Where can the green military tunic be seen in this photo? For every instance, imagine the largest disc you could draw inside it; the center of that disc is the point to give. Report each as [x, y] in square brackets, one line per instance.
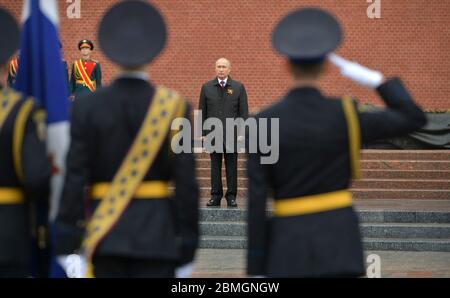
[86, 80]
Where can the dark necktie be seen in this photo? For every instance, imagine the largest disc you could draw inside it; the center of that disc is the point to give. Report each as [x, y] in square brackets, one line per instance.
[222, 84]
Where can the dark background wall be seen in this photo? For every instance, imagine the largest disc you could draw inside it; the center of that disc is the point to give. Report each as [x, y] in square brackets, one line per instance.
[411, 39]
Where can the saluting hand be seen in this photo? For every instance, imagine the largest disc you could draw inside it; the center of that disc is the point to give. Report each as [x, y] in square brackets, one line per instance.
[74, 265]
[356, 72]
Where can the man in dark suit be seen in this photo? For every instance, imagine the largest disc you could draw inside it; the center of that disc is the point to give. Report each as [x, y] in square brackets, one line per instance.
[24, 165]
[314, 230]
[120, 149]
[223, 98]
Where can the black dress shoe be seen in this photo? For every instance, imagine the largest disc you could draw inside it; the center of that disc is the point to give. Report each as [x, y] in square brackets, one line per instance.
[214, 202]
[231, 203]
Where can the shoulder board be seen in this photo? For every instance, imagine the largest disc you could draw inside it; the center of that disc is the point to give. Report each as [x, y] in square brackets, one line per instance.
[14, 93]
[39, 118]
[93, 60]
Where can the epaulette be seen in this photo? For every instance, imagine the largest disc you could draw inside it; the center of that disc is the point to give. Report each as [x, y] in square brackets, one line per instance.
[39, 118]
[93, 60]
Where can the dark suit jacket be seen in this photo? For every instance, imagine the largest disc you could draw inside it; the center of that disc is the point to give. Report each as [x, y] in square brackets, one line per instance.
[229, 102]
[104, 125]
[313, 159]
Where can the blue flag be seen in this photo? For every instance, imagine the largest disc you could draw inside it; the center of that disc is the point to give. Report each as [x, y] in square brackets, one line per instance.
[41, 75]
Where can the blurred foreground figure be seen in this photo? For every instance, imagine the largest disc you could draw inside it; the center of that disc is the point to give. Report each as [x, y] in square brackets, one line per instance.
[24, 165]
[120, 152]
[314, 230]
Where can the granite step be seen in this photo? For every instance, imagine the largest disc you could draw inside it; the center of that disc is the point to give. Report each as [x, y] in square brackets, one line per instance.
[419, 244]
[393, 244]
[405, 230]
[440, 165]
[369, 164]
[206, 181]
[405, 154]
[205, 172]
[368, 230]
[365, 216]
[220, 242]
[405, 174]
[366, 174]
[411, 194]
[401, 184]
[206, 163]
[205, 192]
[371, 154]
[368, 193]
[363, 183]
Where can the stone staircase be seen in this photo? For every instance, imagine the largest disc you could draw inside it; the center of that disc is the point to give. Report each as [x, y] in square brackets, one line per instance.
[381, 230]
[403, 201]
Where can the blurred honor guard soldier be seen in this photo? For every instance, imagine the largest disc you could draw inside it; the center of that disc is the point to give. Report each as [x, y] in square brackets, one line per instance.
[314, 230]
[66, 68]
[13, 68]
[86, 73]
[223, 98]
[120, 147]
[24, 165]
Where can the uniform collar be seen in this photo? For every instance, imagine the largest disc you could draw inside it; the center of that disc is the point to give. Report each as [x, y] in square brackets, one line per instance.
[305, 91]
[141, 75]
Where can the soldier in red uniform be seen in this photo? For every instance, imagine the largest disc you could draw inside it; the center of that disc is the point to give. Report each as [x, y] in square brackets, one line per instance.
[86, 74]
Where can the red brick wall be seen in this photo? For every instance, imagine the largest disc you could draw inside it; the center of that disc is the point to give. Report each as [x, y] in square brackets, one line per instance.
[412, 39]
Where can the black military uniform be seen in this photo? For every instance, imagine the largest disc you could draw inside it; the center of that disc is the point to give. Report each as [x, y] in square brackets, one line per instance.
[314, 230]
[225, 102]
[25, 168]
[86, 75]
[156, 232]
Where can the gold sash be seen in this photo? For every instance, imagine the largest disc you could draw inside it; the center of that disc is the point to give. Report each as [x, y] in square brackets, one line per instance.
[86, 79]
[139, 159]
[19, 132]
[11, 195]
[8, 98]
[147, 190]
[354, 136]
[313, 203]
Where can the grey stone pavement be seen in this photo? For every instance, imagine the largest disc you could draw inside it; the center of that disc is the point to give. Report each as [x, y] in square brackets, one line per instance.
[230, 263]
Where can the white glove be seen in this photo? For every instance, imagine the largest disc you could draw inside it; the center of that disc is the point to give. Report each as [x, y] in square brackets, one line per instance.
[184, 271]
[74, 265]
[356, 72]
